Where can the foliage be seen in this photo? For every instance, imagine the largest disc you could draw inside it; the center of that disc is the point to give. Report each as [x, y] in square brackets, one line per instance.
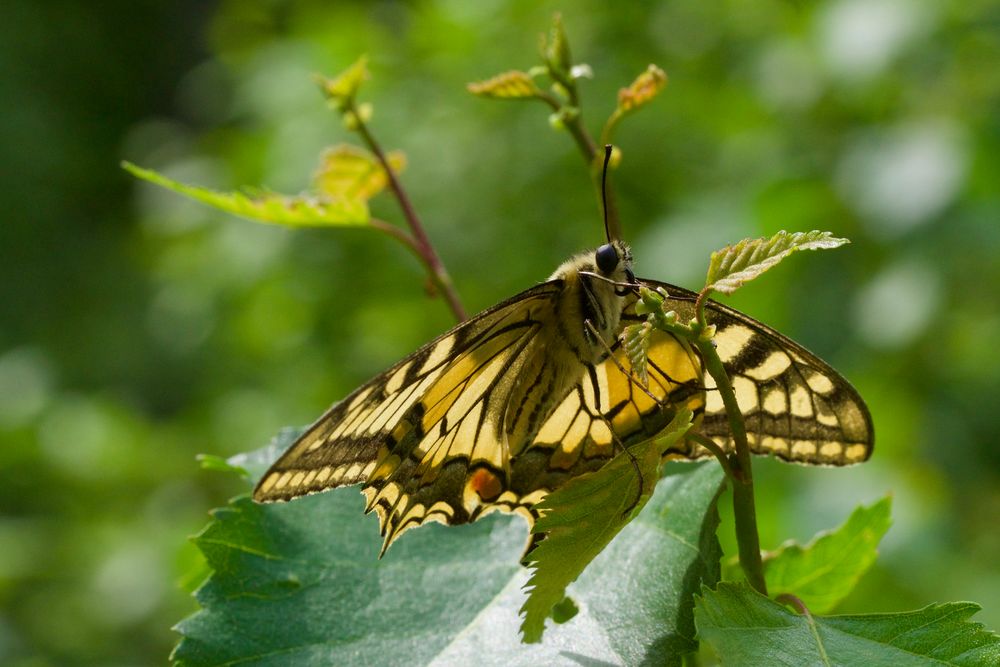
[745, 627]
[268, 206]
[579, 519]
[440, 588]
[734, 265]
[824, 571]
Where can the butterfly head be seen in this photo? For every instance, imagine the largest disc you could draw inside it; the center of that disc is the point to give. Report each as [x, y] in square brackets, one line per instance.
[613, 261]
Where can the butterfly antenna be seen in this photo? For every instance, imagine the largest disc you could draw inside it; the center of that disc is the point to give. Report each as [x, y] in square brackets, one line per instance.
[608, 148]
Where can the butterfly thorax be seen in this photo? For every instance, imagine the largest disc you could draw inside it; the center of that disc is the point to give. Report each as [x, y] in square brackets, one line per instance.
[588, 310]
[577, 333]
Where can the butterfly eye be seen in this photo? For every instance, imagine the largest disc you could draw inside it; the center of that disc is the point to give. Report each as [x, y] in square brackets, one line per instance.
[606, 258]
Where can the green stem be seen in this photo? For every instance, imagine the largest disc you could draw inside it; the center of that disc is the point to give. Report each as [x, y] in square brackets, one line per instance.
[716, 451]
[419, 241]
[575, 127]
[395, 232]
[744, 510]
[589, 150]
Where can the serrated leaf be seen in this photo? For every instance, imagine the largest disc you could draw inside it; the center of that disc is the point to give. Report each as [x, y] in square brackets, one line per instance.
[747, 628]
[301, 583]
[824, 571]
[641, 91]
[269, 207]
[507, 85]
[298, 583]
[734, 265]
[350, 172]
[581, 517]
[343, 88]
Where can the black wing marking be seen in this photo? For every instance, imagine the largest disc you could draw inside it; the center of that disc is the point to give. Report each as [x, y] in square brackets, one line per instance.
[796, 406]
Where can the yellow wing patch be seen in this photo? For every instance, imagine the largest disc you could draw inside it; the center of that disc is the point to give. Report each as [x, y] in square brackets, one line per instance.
[795, 406]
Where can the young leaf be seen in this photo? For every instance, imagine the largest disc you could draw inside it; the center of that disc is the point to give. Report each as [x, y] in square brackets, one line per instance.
[734, 265]
[343, 88]
[350, 172]
[508, 85]
[581, 517]
[823, 572]
[641, 91]
[635, 340]
[297, 211]
[556, 51]
[747, 628]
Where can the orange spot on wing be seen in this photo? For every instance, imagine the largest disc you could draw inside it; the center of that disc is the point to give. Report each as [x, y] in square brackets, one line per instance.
[485, 483]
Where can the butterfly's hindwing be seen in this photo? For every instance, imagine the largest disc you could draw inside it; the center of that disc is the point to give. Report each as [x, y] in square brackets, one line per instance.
[795, 406]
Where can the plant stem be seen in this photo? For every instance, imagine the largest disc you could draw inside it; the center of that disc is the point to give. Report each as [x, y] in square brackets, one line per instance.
[573, 123]
[716, 451]
[398, 234]
[419, 241]
[744, 510]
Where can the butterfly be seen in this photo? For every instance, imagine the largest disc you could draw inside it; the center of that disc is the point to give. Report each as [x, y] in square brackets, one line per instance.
[510, 404]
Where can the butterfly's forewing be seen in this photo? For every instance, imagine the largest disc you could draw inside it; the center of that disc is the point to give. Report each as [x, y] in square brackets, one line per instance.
[795, 406]
[425, 435]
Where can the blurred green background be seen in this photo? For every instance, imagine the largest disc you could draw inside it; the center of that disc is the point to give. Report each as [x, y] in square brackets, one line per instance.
[138, 329]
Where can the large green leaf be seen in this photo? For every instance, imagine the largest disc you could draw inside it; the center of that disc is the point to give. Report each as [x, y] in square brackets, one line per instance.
[300, 583]
[635, 598]
[823, 572]
[745, 628]
[580, 518]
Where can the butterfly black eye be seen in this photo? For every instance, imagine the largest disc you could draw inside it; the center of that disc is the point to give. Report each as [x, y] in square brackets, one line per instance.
[606, 258]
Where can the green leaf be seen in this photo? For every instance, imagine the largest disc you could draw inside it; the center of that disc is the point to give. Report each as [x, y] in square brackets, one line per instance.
[580, 518]
[734, 265]
[343, 88]
[290, 211]
[510, 85]
[350, 172]
[219, 464]
[747, 628]
[556, 53]
[635, 599]
[823, 572]
[299, 583]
